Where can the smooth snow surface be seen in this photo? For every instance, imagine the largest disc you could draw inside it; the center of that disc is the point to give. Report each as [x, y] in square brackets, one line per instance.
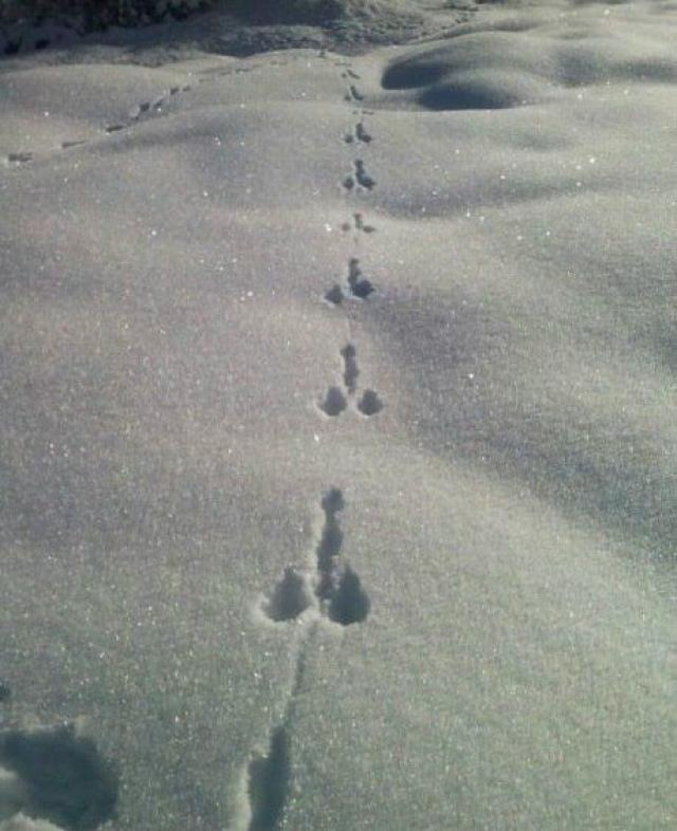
[338, 434]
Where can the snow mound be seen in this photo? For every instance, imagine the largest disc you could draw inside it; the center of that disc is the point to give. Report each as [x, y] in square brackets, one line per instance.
[496, 69]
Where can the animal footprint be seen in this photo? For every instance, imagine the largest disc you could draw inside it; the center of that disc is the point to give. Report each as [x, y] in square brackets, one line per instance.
[370, 404]
[335, 589]
[360, 133]
[19, 158]
[360, 178]
[358, 225]
[349, 603]
[338, 588]
[58, 776]
[350, 372]
[339, 597]
[335, 400]
[269, 780]
[157, 104]
[354, 94]
[290, 599]
[357, 286]
[138, 111]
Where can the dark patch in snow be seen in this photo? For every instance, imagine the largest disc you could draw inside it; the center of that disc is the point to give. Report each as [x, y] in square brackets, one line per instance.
[360, 226]
[355, 94]
[350, 372]
[19, 158]
[62, 777]
[362, 134]
[370, 404]
[334, 402]
[336, 399]
[334, 295]
[349, 603]
[269, 782]
[338, 587]
[359, 286]
[330, 544]
[289, 599]
[359, 177]
[362, 177]
[356, 287]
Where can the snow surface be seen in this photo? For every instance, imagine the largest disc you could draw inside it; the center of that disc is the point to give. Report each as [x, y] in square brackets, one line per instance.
[279, 552]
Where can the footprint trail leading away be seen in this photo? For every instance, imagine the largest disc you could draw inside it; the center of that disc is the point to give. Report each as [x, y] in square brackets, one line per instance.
[336, 594]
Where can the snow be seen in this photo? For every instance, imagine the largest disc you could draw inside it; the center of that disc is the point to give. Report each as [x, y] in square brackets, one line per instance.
[453, 610]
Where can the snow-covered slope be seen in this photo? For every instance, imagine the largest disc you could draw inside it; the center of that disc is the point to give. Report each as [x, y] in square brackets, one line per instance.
[338, 436]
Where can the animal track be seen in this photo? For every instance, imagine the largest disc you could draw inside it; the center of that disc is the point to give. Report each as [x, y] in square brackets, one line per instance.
[338, 587]
[370, 404]
[350, 373]
[358, 225]
[139, 110]
[357, 286]
[336, 400]
[334, 589]
[360, 178]
[360, 133]
[354, 94]
[57, 776]
[269, 780]
[19, 158]
[331, 542]
[290, 598]
[339, 597]
[115, 127]
[335, 295]
[349, 603]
